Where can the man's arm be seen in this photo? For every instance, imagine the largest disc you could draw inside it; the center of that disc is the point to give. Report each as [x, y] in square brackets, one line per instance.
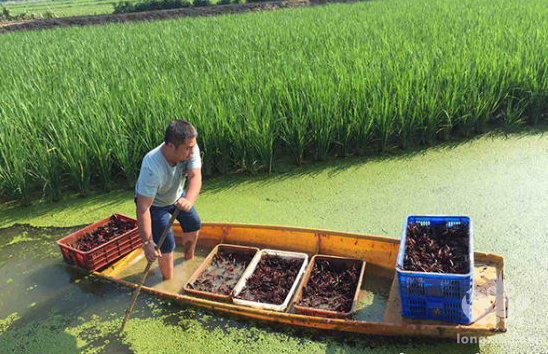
[194, 184]
[194, 187]
[144, 224]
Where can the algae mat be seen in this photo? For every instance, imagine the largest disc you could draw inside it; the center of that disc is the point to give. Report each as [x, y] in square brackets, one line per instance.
[47, 307]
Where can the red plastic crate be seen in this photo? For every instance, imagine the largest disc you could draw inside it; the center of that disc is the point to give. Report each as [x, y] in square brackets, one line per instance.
[103, 254]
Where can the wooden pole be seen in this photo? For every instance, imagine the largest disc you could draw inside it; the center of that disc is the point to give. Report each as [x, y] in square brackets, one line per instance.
[147, 269]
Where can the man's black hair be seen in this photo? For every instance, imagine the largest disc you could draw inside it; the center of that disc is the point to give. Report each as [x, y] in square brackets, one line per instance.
[178, 131]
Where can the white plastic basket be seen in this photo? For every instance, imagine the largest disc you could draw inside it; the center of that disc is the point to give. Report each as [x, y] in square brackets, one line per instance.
[251, 269]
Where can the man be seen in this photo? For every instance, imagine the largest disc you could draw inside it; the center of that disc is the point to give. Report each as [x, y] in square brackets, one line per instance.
[159, 190]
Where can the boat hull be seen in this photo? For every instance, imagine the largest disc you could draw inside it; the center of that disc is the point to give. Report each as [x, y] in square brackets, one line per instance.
[380, 254]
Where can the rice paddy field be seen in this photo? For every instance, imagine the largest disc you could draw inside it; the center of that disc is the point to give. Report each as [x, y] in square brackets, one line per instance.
[61, 8]
[79, 107]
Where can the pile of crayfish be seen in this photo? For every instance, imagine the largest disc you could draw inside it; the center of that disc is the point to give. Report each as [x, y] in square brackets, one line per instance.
[330, 287]
[272, 279]
[437, 248]
[102, 234]
[223, 273]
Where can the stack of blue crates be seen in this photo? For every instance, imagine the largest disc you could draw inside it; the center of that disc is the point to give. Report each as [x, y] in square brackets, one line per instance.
[436, 296]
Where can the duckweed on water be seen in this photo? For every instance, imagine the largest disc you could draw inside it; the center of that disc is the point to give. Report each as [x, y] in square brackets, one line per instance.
[174, 331]
[55, 335]
[146, 336]
[34, 242]
[46, 336]
[19, 238]
[94, 332]
[7, 322]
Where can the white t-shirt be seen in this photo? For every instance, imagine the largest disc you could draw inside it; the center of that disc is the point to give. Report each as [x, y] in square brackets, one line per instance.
[160, 180]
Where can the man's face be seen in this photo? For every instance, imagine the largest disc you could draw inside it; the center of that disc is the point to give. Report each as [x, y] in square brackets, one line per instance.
[185, 150]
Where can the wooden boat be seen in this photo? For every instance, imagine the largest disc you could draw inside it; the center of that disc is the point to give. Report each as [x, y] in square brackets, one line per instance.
[379, 309]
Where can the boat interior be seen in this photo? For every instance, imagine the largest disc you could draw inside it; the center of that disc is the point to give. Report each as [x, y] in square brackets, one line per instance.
[378, 309]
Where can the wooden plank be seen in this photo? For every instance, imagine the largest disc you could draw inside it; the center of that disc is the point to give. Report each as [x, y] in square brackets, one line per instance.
[117, 266]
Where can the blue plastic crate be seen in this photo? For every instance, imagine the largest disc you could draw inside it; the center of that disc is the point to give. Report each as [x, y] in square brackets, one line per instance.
[436, 295]
[436, 308]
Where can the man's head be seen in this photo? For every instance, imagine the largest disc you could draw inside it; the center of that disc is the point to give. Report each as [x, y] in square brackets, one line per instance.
[180, 140]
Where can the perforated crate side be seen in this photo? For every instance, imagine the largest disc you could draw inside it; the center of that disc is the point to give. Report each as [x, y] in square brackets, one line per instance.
[437, 308]
[442, 286]
[103, 254]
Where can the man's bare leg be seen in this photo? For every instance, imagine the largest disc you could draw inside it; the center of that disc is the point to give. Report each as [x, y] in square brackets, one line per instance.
[166, 265]
[189, 241]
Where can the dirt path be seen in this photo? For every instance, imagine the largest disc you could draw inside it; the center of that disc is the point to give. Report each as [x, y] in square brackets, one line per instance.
[213, 10]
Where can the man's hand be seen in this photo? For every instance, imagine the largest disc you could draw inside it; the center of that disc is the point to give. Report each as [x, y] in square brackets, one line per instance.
[151, 253]
[183, 204]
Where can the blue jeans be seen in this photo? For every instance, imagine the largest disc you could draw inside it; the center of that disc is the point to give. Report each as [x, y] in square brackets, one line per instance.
[189, 220]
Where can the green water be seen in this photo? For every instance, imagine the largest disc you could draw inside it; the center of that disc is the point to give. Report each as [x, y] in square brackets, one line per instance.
[501, 182]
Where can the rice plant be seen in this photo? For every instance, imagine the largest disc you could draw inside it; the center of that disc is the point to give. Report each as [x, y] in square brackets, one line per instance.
[79, 107]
